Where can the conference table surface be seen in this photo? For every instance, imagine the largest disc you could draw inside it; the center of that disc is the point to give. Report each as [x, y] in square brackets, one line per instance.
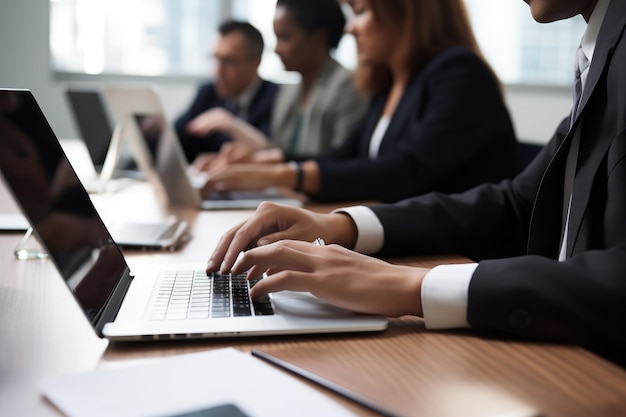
[406, 368]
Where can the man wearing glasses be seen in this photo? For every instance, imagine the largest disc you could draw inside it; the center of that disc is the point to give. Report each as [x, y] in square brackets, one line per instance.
[235, 93]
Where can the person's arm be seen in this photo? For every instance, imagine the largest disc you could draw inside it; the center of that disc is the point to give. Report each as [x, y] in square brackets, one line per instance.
[302, 177]
[255, 172]
[444, 288]
[491, 220]
[221, 120]
[439, 295]
[338, 275]
[241, 131]
[204, 99]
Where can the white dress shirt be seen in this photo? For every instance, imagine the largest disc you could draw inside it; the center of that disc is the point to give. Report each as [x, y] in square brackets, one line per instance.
[445, 288]
[378, 135]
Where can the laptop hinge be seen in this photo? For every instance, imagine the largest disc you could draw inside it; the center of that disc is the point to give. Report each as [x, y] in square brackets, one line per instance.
[112, 306]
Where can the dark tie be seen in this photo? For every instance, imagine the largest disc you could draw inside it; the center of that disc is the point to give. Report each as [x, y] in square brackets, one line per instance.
[580, 72]
[233, 106]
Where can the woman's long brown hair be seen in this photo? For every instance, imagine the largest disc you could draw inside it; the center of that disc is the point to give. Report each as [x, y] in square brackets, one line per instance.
[427, 27]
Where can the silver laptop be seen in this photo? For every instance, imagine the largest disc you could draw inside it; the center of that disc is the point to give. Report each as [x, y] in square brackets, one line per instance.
[181, 301]
[159, 154]
[111, 166]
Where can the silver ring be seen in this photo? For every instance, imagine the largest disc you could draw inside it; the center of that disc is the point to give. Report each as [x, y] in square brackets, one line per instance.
[319, 242]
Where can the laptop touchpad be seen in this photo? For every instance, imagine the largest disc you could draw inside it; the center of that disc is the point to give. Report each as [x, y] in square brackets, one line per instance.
[305, 304]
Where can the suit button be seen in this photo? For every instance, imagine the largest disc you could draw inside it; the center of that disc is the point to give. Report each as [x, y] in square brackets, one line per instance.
[519, 319]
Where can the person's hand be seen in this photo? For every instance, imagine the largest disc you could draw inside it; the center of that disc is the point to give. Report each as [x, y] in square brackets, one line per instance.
[203, 162]
[233, 153]
[273, 222]
[268, 156]
[244, 177]
[338, 275]
[230, 153]
[152, 125]
[215, 119]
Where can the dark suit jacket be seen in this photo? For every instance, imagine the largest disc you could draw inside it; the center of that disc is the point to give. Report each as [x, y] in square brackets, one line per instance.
[450, 131]
[259, 116]
[527, 292]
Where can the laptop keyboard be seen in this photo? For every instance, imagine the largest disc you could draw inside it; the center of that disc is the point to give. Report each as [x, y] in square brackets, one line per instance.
[198, 295]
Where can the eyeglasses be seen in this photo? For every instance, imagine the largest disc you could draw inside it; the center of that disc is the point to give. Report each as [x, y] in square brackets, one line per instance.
[231, 61]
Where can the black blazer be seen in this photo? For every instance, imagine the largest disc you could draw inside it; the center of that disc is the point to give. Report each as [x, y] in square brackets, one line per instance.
[527, 292]
[450, 131]
[259, 116]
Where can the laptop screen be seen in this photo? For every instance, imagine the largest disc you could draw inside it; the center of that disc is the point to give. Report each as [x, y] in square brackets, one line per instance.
[43, 183]
[92, 121]
[151, 128]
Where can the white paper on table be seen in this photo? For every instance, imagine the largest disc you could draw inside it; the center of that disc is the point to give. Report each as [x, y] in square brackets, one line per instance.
[13, 222]
[185, 383]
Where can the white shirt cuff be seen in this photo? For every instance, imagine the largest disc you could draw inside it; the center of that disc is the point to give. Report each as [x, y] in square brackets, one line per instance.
[444, 296]
[371, 235]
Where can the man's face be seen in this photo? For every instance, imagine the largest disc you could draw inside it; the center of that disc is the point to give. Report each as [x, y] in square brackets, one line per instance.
[551, 10]
[235, 68]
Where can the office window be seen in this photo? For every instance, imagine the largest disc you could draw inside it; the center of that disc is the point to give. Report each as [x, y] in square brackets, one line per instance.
[174, 38]
[133, 37]
[521, 50]
[157, 37]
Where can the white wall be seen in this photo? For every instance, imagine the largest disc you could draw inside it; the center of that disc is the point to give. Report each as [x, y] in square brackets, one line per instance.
[536, 111]
[24, 64]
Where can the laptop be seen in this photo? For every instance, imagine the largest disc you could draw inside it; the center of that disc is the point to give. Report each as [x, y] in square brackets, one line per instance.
[176, 302]
[159, 154]
[98, 134]
[44, 167]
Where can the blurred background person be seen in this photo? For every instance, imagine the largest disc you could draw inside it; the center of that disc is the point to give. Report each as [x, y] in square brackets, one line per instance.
[315, 115]
[235, 92]
[318, 113]
[437, 120]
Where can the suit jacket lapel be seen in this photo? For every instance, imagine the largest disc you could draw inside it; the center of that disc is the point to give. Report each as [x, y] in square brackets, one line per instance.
[401, 120]
[400, 123]
[370, 125]
[596, 148]
[607, 38]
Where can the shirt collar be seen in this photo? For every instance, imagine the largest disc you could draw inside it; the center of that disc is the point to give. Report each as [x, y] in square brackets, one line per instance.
[588, 43]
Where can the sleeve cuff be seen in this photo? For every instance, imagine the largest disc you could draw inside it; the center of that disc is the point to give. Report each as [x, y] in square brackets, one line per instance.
[444, 296]
[371, 235]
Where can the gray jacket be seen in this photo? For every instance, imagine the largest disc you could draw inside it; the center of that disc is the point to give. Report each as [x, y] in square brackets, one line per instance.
[333, 110]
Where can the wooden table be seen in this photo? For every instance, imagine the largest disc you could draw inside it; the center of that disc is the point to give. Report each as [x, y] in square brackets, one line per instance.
[43, 332]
